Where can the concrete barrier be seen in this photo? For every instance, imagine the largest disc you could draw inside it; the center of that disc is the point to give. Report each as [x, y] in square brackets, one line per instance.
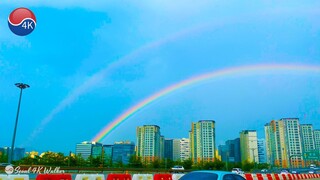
[162, 177]
[119, 177]
[258, 176]
[142, 177]
[90, 177]
[4, 177]
[18, 177]
[176, 176]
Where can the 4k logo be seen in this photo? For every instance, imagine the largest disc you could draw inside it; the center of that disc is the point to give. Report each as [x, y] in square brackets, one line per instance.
[22, 21]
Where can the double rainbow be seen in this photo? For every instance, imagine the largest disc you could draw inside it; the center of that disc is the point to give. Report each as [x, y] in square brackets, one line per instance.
[202, 78]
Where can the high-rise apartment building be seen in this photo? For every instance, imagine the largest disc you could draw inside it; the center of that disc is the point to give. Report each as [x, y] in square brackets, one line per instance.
[168, 149]
[272, 136]
[310, 153]
[317, 139]
[249, 146]
[316, 153]
[283, 141]
[148, 142]
[122, 151]
[184, 149]
[262, 151]
[293, 141]
[223, 153]
[307, 137]
[176, 149]
[87, 149]
[202, 141]
[161, 147]
[234, 153]
[230, 152]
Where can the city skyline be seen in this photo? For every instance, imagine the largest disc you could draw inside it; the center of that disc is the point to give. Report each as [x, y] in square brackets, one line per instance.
[258, 136]
[290, 143]
[285, 139]
[286, 134]
[133, 139]
[89, 64]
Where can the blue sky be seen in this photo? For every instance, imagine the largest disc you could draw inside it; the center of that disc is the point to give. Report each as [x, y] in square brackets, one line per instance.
[87, 62]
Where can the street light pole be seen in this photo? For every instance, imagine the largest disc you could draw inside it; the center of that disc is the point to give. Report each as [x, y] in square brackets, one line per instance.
[21, 86]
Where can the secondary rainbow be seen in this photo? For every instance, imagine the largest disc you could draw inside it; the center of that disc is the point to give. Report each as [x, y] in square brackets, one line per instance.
[201, 78]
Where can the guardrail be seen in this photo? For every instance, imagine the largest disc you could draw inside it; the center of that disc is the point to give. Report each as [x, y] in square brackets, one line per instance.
[280, 176]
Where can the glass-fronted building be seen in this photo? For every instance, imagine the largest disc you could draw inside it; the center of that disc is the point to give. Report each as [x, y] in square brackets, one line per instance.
[122, 151]
[87, 149]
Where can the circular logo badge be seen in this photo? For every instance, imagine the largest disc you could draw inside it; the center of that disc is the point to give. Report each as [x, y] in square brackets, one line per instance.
[22, 21]
[9, 169]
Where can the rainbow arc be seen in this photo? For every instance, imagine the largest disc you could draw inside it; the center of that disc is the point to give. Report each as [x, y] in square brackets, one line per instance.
[249, 69]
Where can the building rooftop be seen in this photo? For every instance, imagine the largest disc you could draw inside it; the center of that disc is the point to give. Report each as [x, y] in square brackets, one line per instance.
[151, 125]
[246, 131]
[206, 121]
[124, 142]
[289, 119]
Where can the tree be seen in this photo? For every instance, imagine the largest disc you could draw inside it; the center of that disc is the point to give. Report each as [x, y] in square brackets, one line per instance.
[232, 165]
[93, 161]
[170, 163]
[209, 165]
[200, 164]
[215, 165]
[118, 163]
[52, 159]
[156, 163]
[247, 166]
[96, 161]
[167, 163]
[71, 160]
[79, 160]
[108, 161]
[3, 157]
[135, 162]
[60, 159]
[30, 159]
[218, 165]
[187, 164]
[263, 166]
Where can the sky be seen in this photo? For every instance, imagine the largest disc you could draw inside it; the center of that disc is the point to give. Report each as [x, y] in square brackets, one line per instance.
[88, 62]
